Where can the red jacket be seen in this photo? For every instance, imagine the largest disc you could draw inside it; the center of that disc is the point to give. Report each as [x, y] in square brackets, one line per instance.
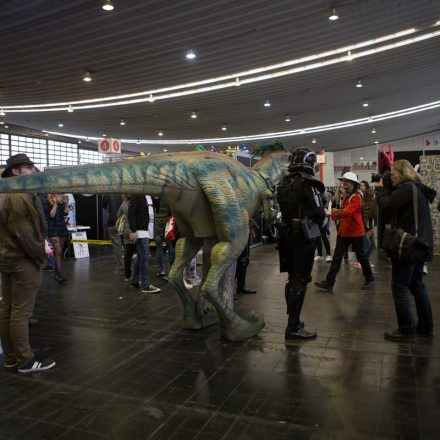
[351, 224]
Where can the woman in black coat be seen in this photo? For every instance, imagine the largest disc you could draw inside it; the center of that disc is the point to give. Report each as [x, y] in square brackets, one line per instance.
[407, 278]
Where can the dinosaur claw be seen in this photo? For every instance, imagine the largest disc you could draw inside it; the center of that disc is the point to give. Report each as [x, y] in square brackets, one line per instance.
[244, 328]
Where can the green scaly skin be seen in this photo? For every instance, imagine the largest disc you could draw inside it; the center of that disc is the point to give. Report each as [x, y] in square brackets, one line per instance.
[210, 194]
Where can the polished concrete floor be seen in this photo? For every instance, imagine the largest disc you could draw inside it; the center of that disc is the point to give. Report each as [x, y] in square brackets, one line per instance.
[126, 370]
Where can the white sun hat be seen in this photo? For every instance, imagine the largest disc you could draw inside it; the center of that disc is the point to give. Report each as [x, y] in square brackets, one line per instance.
[349, 176]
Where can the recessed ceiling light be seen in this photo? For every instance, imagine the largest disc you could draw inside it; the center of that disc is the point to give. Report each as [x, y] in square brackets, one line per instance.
[70, 109]
[376, 142]
[160, 133]
[46, 134]
[193, 115]
[79, 141]
[2, 122]
[60, 124]
[122, 121]
[237, 81]
[151, 98]
[149, 153]
[224, 128]
[287, 118]
[2, 113]
[313, 141]
[333, 16]
[165, 150]
[373, 130]
[359, 84]
[190, 55]
[104, 135]
[267, 103]
[349, 55]
[87, 77]
[107, 5]
[362, 158]
[365, 103]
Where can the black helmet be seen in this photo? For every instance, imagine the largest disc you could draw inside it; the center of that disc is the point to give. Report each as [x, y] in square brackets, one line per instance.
[302, 159]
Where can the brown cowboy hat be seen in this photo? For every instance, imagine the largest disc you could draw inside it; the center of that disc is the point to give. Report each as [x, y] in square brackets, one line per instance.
[15, 160]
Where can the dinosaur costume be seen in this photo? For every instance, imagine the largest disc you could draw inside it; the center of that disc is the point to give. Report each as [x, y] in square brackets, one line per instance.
[210, 194]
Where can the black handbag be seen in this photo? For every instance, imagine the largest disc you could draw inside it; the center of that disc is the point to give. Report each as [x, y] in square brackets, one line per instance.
[404, 246]
[310, 229]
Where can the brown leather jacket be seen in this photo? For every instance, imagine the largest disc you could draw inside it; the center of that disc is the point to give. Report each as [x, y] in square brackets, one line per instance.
[21, 229]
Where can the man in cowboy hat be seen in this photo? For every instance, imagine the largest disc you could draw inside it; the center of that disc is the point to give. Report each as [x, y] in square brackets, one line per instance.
[350, 232]
[22, 257]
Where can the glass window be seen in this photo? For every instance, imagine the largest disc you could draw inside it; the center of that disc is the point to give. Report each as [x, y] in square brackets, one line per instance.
[4, 148]
[62, 153]
[89, 156]
[32, 148]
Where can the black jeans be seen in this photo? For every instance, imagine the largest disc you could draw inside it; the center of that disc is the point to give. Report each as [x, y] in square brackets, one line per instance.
[342, 245]
[408, 279]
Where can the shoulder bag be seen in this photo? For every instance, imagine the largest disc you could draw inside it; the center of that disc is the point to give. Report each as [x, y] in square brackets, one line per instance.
[404, 246]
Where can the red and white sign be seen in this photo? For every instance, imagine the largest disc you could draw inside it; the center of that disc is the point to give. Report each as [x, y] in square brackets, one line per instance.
[109, 146]
[320, 158]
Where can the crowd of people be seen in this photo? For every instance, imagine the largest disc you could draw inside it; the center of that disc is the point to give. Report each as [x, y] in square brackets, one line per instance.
[28, 222]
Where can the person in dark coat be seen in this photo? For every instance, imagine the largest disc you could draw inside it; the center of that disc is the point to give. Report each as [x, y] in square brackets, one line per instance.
[298, 197]
[407, 278]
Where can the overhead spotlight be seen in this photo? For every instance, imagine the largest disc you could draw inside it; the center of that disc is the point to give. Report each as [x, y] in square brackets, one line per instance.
[2, 112]
[149, 153]
[46, 134]
[104, 135]
[373, 130]
[313, 141]
[107, 5]
[151, 98]
[2, 122]
[60, 124]
[165, 150]
[376, 142]
[193, 115]
[79, 141]
[359, 84]
[364, 103]
[87, 77]
[70, 109]
[6, 126]
[122, 121]
[190, 55]
[237, 81]
[349, 55]
[224, 128]
[362, 158]
[333, 16]
[287, 118]
[267, 103]
[160, 133]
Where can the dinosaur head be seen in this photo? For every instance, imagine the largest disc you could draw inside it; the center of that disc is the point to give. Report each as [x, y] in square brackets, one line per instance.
[274, 165]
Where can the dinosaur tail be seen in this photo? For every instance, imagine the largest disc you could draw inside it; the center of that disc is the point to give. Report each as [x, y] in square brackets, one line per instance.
[117, 177]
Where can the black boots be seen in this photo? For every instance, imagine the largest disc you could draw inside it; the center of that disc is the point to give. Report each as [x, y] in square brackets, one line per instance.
[295, 328]
[242, 265]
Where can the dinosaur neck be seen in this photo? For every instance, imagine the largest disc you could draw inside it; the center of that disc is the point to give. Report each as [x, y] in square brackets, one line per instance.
[273, 165]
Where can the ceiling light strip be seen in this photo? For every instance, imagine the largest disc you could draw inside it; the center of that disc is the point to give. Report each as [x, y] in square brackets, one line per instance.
[228, 77]
[243, 81]
[279, 134]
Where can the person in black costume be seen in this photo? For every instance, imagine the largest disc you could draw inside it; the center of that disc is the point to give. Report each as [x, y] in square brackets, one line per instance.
[298, 197]
[240, 273]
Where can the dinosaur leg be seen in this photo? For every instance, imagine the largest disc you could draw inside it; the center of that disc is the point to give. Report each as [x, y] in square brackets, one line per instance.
[233, 326]
[186, 249]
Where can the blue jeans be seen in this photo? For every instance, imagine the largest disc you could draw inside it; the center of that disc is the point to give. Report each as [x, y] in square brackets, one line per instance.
[408, 279]
[139, 271]
[159, 252]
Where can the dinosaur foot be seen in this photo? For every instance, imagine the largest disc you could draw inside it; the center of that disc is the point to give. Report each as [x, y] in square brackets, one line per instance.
[194, 321]
[242, 328]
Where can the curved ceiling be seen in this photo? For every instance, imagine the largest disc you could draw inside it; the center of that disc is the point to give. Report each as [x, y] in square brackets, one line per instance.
[140, 45]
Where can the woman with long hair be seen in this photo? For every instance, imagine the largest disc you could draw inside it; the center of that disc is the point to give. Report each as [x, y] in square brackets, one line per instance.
[407, 278]
[56, 209]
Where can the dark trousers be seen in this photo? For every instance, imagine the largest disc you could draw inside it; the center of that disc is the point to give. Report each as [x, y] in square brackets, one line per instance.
[242, 264]
[320, 241]
[129, 249]
[21, 279]
[342, 245]
[300, 264]
[407, 280]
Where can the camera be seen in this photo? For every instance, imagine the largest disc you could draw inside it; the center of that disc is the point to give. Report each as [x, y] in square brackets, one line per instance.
[386, 179]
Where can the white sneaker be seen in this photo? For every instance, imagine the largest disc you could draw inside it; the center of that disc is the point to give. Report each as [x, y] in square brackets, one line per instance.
[150, 289]
[328, 258]
[318, 258]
